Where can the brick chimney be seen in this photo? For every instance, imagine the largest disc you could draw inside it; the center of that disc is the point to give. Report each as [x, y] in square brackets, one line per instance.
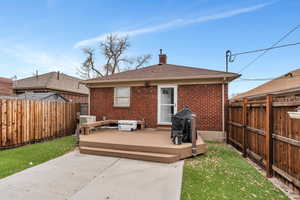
[162, 58]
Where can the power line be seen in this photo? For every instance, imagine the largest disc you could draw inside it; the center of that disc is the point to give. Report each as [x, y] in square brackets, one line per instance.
[267, 49]
[286, 76]
[255, 79]
[258, 50]
[231, 56]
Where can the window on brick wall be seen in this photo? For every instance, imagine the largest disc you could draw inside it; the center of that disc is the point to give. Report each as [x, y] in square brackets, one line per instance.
[122, 97]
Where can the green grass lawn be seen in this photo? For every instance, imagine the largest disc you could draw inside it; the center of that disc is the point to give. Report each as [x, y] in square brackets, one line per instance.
[223, 174]
[20, 158]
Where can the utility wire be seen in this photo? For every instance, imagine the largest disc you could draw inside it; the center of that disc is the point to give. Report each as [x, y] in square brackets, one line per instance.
[286, 76]
[258, 50]
[266, 50]
[255, 79]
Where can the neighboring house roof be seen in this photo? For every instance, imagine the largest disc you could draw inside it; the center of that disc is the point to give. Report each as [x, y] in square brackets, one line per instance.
[50, 96]
[286, 83]
[163, 72]
[52, 80]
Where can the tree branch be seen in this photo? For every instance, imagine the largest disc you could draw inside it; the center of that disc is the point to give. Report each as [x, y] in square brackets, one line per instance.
[89, 62]
[113, 48]
[141, 60]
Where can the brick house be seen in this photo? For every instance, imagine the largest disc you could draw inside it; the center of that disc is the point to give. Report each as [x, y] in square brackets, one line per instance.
[156, 92]
[59, 83]
[6, 87]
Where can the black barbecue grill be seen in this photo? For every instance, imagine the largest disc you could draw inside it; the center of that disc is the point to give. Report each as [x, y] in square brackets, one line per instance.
[182, 127]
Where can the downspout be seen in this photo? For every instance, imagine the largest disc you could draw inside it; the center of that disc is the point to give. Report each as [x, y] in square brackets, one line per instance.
[223, 106]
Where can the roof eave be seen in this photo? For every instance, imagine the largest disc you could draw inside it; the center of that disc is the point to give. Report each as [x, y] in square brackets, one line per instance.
[234, 77]
[230, 76]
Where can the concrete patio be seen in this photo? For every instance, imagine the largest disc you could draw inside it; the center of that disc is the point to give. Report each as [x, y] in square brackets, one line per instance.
[79, 176]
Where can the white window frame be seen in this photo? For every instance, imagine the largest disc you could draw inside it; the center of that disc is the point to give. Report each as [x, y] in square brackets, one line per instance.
[159, 122]
[115, 97]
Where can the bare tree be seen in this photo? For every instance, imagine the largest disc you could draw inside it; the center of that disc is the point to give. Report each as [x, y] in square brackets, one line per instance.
[113, 49]
[86, 70]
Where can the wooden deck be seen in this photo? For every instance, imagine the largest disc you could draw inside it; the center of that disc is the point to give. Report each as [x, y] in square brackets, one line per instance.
[149, 145]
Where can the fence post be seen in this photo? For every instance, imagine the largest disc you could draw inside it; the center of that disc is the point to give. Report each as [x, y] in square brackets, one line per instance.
[245, 101]
[269, 138]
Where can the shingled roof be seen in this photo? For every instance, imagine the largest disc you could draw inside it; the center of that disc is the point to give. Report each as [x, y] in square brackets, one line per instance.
[52, 80]
[49, 96]
[286, 83]
[164, 72]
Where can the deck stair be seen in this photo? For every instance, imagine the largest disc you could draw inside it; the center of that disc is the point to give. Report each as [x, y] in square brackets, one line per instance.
[140, 145]
[138, 155]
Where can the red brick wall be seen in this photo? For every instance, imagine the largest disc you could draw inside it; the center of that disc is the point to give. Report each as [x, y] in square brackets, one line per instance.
[204, 100]
[142, 105]
[6, 87]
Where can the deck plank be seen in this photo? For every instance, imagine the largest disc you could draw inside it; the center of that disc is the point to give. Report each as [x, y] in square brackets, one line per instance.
[138, 142]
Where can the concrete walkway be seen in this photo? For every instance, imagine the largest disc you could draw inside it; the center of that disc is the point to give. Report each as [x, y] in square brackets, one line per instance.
[78, 176]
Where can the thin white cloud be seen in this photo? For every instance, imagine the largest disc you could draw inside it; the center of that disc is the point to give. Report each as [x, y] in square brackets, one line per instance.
[41, 60]
[175, 23]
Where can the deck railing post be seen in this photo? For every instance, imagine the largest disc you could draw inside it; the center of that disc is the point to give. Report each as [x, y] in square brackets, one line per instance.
[269, 138]
[245, 141]
[194, 135]
[77, 131]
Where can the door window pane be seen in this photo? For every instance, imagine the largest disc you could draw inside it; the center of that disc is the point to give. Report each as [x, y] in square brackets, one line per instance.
[167, 96]
[166, 113]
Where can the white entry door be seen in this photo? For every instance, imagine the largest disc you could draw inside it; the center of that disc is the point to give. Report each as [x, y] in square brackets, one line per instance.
[167, 103]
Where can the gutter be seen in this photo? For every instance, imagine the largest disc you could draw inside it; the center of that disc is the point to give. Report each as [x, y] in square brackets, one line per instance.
[159, 79]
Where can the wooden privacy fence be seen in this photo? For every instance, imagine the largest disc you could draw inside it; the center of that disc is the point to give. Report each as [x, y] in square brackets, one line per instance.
[25, 121]
[264, 132]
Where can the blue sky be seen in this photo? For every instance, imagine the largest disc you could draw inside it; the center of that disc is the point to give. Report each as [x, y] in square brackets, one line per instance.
[48, 35]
